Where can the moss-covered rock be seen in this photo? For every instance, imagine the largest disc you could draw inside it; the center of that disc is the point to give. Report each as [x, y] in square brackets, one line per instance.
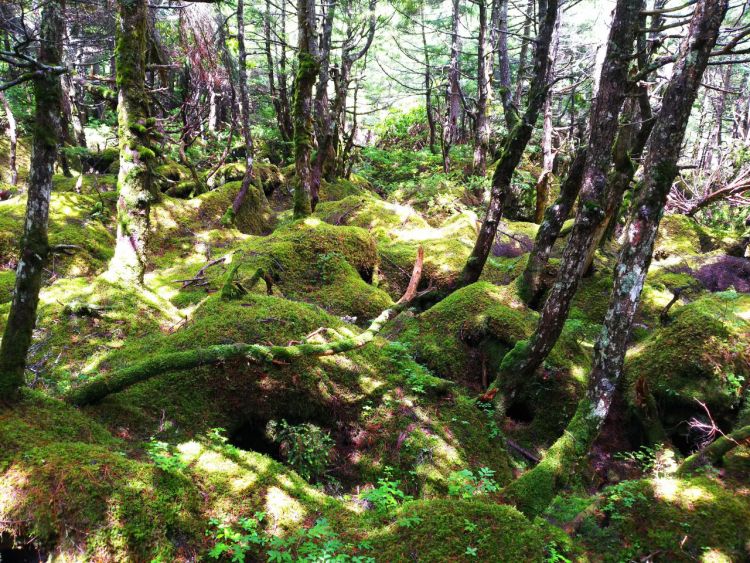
[75, 219]
[460, 530]
[669, 519]
[702, 355]
[678, 236]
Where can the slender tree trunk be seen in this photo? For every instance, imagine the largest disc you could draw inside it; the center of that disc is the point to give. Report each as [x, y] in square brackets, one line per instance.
[503, 68]
[307, 73]
[548, 155]
[484, 88]
[524, 53]
[322, 112]
[429, 110]
[453, 99]
[134, 126]
[275, 98]
[247, 179]
[34, 244]
[535, 489]
[12, 132]
[520, 363]
[531, 284]
[514, 146]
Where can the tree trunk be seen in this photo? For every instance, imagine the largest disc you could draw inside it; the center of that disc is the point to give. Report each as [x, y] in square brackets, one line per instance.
[429, 111]
[525, 41]
[531, 284]
[12, 132]
[34, 244]
[514, 146]
[277, 97]
[307, 73]
[322, 110]
[520, 363]
[134, 127]
[247, 179]
[503, 68]
[536, 488]
[453, 99]
[484, 89]
[548, 156]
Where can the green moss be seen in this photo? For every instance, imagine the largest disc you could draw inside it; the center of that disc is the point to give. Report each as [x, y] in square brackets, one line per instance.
[446, 528]
[680, 519]
[7, 284]
[678, 236]
[86, 184]
[701, 355]
[75, 219]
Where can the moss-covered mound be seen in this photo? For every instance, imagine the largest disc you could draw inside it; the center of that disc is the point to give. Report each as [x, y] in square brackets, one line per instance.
[85, 184]
[70, 485]
[460, 530]
[315, 262]
[702, 355]
[83, 221]
[465, 337]
[669, 519]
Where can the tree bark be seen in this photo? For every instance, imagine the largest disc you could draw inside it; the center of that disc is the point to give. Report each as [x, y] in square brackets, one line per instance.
[453, 98]
[134, 129]
[428, 84]
[34, 243]
[525, 41]
[510, 113]
[531, 284]
[247, 179]
[484, 89]
[520, 363]
[548, 155]
[307, 74]
[513, 148]
[535, 489]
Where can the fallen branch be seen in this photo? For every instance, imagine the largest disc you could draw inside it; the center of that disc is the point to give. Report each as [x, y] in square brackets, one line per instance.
[416, 277]
[97, 389]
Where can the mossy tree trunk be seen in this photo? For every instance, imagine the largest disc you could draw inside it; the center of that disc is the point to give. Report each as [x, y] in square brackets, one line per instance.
[521, 362]
[322, 111]
[532, 282]
[307, 74]
[484, 89]
[34, 244]
[514, 146]
[535, 489]
[135, 192]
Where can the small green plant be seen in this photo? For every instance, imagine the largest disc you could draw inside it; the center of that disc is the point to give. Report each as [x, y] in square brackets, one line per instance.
[218, 437]
[387, 494]
[306, 447]
[489, 410]
[554, 555]
[230, 541]
[306, 545]
[328, 264]
[163, 457]
[622, 495]
[467, 484]
[644, 457]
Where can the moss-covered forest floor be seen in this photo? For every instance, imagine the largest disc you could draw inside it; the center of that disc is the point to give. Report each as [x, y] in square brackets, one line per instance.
[383, 453]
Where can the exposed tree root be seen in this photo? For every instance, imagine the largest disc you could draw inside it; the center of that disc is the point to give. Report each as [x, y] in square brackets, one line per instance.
[715, 450]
